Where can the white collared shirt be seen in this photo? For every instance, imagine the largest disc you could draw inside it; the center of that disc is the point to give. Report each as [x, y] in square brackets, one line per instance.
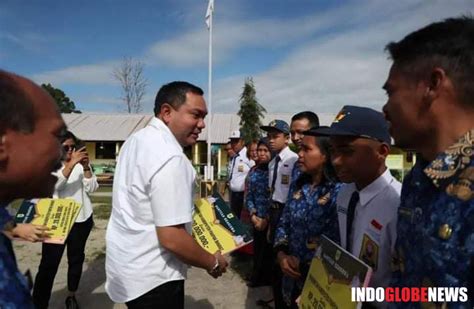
[375, 224]
[283, 180]
[153, 186]
[77, 187]
[239, 168]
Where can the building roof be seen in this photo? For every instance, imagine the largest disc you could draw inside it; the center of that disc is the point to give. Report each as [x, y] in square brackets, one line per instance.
[105, 127]
[118, 127]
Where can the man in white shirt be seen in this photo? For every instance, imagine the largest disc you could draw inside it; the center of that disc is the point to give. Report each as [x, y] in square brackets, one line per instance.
[368, 202]
[149, 242]
[239, 167]
[281, 166]
[279, 180]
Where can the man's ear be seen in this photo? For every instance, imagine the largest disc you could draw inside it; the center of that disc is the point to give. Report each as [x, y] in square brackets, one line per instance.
[434, 83]
[3, 148]
[165, 113]
[384, 150]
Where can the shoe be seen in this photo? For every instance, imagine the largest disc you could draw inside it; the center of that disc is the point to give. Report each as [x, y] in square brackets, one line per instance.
[71, 303]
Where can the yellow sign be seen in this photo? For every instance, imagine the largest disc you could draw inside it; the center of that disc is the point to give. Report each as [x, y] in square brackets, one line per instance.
[216, 228]
[332, 274]
[58, 215]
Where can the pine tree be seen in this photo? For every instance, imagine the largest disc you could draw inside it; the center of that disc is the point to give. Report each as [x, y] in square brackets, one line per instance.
[65, 104]
[251, 112]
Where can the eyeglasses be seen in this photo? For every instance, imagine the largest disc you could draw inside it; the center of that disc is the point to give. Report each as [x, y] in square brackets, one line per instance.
[69, 147]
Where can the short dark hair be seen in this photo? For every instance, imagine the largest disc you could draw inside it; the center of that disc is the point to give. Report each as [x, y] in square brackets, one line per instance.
[16, 109]
[448, 44]
[174, 93]
[310, 116]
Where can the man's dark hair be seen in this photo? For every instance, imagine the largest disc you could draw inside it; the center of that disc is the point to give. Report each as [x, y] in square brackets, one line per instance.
[16, 109]
[174, 94]
[448, 44]
[310, 116]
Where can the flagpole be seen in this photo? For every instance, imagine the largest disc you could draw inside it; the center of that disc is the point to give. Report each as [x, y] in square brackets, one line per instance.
[210, 172]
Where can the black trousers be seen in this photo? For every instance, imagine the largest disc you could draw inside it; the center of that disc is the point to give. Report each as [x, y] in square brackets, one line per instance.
[262, 258]
[276, 286]
[51, 257]
[275, 211]
[237, 202]
[168, 295]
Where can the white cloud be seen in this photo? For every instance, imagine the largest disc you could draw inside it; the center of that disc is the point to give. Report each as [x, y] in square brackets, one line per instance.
[231, 35]
[29, 41]
[100, 73]
[344, 67]
[341, 62]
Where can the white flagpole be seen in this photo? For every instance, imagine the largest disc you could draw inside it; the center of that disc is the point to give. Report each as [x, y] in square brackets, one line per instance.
[210, 170]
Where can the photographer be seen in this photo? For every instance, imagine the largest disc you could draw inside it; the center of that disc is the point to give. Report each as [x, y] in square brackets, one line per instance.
[76, 181]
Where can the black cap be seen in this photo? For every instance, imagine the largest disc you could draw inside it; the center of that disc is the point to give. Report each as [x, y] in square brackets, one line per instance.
[358, 122]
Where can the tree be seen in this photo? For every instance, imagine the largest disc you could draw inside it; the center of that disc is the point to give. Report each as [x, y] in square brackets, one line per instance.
[62, 100]
[130, 75]
[251, 112]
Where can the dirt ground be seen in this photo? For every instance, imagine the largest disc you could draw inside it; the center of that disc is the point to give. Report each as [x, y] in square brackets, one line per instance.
[202, 291]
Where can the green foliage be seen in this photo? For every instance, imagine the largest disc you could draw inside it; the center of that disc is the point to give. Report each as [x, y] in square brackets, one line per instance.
[64, 103]
[251, 112]
[293, 148]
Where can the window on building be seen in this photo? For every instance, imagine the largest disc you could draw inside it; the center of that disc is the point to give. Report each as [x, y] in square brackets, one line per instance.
[105, 150]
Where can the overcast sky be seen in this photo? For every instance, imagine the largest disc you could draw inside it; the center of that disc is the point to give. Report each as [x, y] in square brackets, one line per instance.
[302, 54]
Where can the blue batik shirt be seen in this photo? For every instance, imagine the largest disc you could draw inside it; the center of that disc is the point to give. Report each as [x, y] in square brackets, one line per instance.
[257, 197]
[14, 291]
[295, 174]
[435, 244]
[308, 213]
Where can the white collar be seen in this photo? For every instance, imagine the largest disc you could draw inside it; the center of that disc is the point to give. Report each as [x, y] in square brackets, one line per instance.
[160, 125]
[374, 188]
[284, 153]
[243, 152]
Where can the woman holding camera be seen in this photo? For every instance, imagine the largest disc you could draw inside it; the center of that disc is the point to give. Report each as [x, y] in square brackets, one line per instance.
[76, 181]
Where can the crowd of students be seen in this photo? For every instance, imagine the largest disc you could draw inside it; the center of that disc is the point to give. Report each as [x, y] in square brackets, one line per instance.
[301, 195]
[337, 182]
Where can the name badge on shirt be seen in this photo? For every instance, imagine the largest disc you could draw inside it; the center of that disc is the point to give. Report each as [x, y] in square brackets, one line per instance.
[240, 168]
[285, 179]
[369, 252]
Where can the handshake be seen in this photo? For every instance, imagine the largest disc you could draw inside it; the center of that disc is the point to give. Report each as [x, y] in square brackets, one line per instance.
[219, 267]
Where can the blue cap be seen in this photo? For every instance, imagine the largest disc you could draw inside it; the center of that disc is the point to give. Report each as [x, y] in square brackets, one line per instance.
[358, 122]
[278, 125]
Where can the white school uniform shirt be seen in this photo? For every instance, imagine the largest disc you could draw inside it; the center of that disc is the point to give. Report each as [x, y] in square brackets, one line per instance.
[282, 184]
[374, 228]
[77, 187]
[240, 167]
[153, 187]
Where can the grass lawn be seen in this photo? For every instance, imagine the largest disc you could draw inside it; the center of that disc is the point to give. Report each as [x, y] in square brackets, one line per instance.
[102, 206]
[104, 189]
